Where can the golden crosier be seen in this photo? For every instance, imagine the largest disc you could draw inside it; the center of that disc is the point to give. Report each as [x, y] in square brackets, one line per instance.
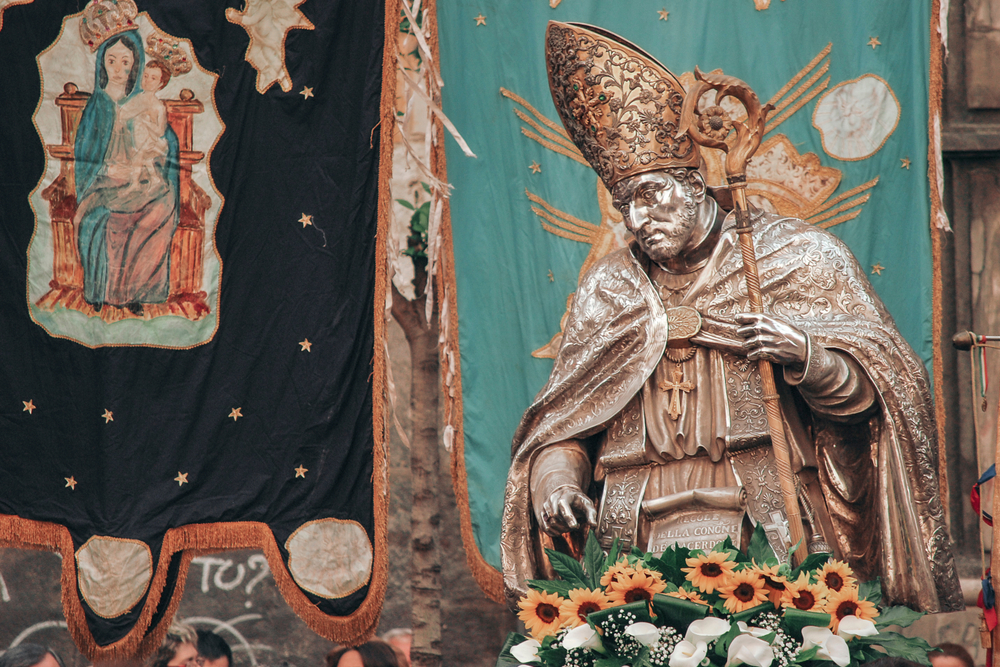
[744, 144]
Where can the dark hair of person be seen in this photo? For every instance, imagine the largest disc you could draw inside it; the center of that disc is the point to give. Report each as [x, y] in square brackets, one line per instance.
[26, 655]
[623, 190]
[133, 73]
[212, 647]
[953, 651]
[164, 72]
[374, 653]
[177, 634]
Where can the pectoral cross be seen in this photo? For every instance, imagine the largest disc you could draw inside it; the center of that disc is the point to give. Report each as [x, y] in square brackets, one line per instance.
[675, 388]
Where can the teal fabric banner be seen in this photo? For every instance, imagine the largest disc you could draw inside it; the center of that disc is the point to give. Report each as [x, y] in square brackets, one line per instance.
[846, 149]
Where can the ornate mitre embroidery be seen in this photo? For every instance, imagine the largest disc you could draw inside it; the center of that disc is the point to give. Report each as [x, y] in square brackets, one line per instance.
[619, 105]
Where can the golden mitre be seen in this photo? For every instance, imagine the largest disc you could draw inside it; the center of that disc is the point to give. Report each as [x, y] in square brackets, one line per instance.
[618, 104]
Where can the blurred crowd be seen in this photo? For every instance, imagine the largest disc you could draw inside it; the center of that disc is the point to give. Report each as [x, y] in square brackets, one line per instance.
[184, 646]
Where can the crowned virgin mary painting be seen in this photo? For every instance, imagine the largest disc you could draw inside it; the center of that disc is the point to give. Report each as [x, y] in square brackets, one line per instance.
[123, 251]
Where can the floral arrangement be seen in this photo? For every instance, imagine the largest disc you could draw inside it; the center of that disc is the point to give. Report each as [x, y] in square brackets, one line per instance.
[690, 608]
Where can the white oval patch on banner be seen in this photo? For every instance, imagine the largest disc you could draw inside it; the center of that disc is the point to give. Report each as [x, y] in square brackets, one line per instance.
[330, 558]
[856, 117]
[113, 574]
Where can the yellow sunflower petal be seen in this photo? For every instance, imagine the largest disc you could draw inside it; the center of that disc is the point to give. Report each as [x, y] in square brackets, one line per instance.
[708, 571]
[582, 601]
[540, 613]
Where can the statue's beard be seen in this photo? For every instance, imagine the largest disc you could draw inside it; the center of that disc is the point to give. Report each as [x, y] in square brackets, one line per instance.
[676, 236]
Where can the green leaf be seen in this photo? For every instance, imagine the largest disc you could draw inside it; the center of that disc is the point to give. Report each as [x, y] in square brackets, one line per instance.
[796, 619]
[895, 644]
[553, 656]
[676, 612]
[871, 591]
[505, 659]
[568, 568]
[404, 203]
[613, 555]
[760, 549]
[426, 187]
[722, 645]
[551, 586]
[613, 661]
[747, 614]
[593, 560]
[811, 562]
[805, 656]
[901, 616]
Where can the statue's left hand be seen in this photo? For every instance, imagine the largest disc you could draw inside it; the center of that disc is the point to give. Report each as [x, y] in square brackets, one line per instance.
[772, 339]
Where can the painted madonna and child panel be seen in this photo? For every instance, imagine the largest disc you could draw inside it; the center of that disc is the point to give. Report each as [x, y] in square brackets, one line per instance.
[123, 251]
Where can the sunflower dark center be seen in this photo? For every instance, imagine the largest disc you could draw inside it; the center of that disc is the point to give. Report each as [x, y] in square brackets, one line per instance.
[804, 600]
[834, 581]
[636, 594]
[587, 608]
[547, 612]
[711, 569]
[744, 592]
[771, 583]
[846, 608]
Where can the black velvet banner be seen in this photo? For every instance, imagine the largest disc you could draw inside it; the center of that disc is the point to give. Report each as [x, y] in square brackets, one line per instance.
[188, 277]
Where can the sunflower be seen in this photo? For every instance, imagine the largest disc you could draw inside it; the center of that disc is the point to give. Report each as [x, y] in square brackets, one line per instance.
[708, 571]
[635, 587]
[774, 583]
[836, 574]
[616, 571]
[540, 613]
[846, 603]
[805, 596]
[690, 596]
[743, 590]
[582, 601]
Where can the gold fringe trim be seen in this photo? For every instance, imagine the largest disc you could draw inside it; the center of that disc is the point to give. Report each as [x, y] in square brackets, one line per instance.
[488, 578]
[934, 111]
[189, 541]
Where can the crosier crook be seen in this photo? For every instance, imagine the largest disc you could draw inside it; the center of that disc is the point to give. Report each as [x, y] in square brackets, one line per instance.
[739, 150]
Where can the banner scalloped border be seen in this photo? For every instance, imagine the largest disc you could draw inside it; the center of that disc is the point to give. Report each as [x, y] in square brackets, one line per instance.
[192, 540]
[490, 579]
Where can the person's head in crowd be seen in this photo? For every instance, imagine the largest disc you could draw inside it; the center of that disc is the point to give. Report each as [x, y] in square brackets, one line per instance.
[213, 650]
[950, 655]
[30, 655]
[400, 639]
[374, 653]
[179, 648]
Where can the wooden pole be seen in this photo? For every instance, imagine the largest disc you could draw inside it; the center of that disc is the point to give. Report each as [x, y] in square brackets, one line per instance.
[740, 140]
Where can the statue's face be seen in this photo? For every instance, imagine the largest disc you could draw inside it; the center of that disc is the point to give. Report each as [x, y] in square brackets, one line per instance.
[662, 214]
[118, 61]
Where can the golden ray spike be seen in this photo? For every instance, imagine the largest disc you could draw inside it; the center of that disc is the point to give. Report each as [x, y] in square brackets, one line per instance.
[555, 147]
[843, 218]
[557, 138]
[841, 197]
[798, 77]
[566, 235]
[552, 125]
[843, 207]
[581, 230]
[798, 105]
[562, 224]
[803, 88]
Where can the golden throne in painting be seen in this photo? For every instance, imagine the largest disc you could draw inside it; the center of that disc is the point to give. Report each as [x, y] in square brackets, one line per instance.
[187, 297]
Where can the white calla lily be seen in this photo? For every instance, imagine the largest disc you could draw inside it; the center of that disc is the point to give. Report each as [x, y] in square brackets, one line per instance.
[706, 629]
[748, 650]
[831, 647]
[852, 626]
[755, 632]
[526, 651]
[582, 636]
[688, 654]
[646, 634]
